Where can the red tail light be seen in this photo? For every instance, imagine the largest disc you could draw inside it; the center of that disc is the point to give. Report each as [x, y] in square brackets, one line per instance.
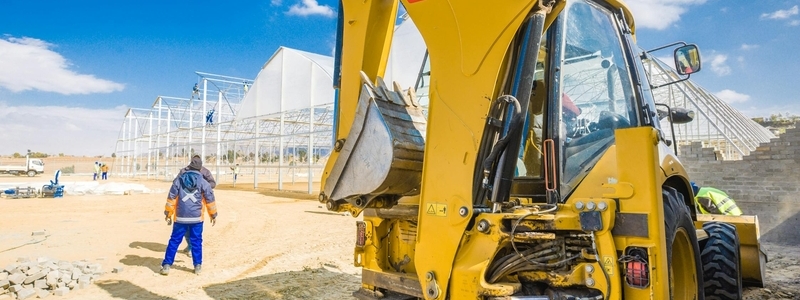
[637, 270]
[638, 274]
[361, 233]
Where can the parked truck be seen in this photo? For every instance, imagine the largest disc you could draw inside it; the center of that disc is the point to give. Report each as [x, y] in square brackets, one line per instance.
[32, 167]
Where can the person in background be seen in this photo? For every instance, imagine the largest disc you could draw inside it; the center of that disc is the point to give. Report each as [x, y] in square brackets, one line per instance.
[235, 170]
[189, 196]
[104, 169]
[96, 170]
[713, 201]
[197, 165]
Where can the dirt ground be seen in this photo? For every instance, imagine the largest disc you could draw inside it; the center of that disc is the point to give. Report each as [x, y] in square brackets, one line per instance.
[264, 246]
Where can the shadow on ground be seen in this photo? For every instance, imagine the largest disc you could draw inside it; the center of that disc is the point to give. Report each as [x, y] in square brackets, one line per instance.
[157, 247]
[126, 290]
[325, 213]
[153, 263]
[319, 283]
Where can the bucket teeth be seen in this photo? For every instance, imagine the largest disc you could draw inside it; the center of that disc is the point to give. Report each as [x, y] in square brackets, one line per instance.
[365, 80]
[412, 95]
[383, 152]
[399, 91]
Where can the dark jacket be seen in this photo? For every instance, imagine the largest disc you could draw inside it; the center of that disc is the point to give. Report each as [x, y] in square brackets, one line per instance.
[203, 171]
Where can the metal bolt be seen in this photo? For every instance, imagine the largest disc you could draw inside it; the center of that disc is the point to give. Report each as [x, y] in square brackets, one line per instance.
[602, 206]
[589, 269]
[590, 205]
[331, 205]
[463, 211]
[579, 205]
[483, 226]
[589, 282]
[429, 276]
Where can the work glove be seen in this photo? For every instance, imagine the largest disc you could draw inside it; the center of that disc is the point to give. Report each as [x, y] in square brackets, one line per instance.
[213, 222]
[169, 220]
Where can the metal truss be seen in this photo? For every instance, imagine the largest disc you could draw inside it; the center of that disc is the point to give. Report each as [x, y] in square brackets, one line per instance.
[716, 124]
[157, 142]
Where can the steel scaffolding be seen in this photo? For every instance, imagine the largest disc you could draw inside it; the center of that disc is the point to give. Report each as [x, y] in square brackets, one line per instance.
[716, 123]
[284, 147]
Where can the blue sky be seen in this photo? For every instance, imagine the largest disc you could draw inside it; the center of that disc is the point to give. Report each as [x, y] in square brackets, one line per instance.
[70, 69]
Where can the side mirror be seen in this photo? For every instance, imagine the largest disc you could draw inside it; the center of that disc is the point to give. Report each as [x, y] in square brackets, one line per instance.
[679, 115]
[687, 59]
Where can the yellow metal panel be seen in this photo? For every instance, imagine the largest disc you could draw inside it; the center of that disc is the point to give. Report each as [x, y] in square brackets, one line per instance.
[638, 165]
[467, 48]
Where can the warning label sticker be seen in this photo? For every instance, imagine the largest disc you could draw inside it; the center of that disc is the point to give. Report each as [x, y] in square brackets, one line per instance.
[608, 264]
[436, 209]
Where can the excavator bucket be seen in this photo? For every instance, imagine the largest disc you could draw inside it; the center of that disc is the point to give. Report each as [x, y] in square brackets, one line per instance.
[383, 152]
[753, 258]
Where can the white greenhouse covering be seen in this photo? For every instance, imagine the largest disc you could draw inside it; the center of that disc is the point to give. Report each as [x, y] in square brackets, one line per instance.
[290, 80]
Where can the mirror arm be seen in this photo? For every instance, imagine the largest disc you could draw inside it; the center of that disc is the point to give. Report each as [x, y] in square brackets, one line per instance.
[682, 43]
[671, 82]
[671, 125]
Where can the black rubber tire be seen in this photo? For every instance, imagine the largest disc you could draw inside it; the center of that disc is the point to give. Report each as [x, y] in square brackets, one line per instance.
[676, 215]
[31, 173]
[721, 262]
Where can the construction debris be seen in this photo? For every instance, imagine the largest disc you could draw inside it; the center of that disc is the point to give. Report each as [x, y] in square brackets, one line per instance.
[42, 277]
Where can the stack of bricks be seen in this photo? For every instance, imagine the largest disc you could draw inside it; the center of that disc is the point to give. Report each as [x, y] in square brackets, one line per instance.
[42, 277]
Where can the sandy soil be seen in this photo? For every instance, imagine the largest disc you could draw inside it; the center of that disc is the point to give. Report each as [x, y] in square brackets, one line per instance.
[264, 246]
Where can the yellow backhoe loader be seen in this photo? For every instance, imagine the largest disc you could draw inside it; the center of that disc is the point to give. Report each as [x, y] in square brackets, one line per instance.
[538, 170]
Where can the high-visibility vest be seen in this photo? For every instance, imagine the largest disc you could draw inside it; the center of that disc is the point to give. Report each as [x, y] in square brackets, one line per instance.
[713, 201]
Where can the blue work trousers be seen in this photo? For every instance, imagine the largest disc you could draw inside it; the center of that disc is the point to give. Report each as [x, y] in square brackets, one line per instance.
[195, 239]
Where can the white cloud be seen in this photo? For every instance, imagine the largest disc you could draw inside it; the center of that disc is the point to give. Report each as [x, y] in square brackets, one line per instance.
[659, 14]
[30, 64]
[781, 13]
[794, 23]
[748, 47]
[311, 7]
[731, 96]
[719, 64]
[276, 2]
[668, 60]
[59, 129]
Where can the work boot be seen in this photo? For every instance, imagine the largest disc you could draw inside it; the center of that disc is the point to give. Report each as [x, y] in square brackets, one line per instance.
[165, 270]
[197, 269]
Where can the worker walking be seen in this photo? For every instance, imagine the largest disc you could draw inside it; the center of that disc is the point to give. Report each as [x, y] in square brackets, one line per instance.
[96, 170]
[189, 196]
[197, 165]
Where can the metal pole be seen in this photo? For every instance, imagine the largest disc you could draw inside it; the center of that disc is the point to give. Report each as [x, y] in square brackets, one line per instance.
[219, 132]
[258, 154]
[149, 143]
[135, 141]
[205, 108]
[310, 152]
[158, 138]
[280, 155]
[168, 158]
